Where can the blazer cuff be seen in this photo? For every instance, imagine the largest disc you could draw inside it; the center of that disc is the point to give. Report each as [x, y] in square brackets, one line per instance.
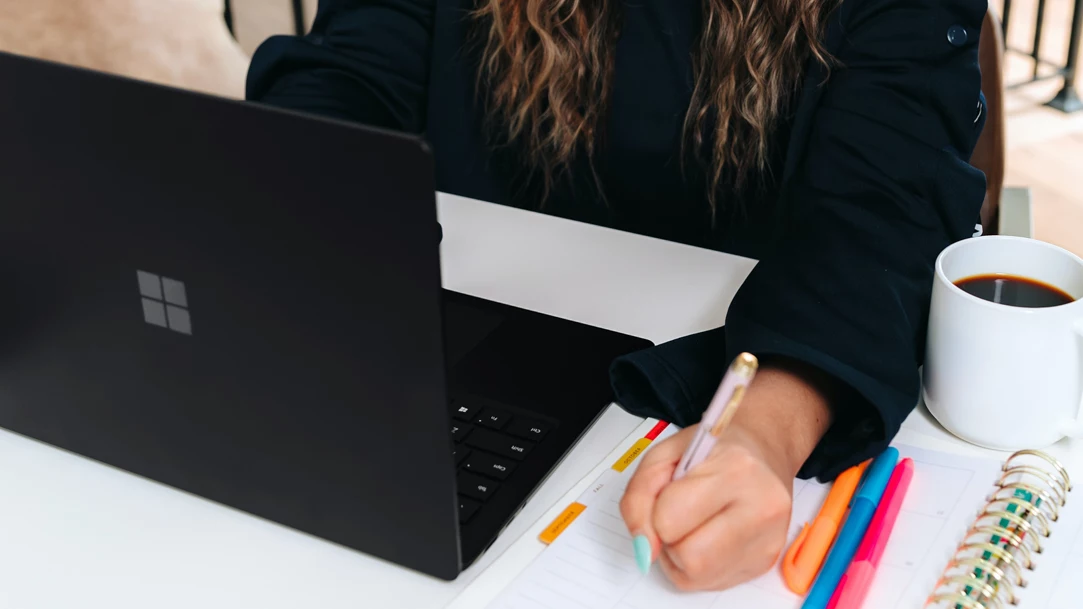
[675, 382]
[866, 412]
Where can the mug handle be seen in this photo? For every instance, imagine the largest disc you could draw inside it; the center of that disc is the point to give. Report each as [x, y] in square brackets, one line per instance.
[1074, 429]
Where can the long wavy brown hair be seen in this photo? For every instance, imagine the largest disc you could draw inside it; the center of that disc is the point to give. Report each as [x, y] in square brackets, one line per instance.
[547, 67]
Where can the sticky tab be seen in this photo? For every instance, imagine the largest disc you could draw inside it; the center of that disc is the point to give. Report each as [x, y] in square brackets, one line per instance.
[629, 457]
[561, 522]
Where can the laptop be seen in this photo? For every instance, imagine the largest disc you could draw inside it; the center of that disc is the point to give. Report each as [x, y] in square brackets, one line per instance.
[188, 301]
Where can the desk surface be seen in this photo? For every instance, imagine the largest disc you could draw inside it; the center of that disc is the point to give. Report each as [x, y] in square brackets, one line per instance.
[79, 534]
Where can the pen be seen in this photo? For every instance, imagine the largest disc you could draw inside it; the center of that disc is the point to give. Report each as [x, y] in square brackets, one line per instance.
[857, 522]
[715, 419]
[806, 554]
[854, 585]
[719, 413]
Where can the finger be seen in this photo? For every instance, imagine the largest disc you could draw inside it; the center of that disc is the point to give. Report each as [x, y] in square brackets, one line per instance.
[668, 450]
[653, 474]
[733, 547]
[673, 573]
[684, 505]
[682, 582]
[712, 553]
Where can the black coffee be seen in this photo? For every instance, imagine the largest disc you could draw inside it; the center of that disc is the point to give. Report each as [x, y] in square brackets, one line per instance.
[1014, 291]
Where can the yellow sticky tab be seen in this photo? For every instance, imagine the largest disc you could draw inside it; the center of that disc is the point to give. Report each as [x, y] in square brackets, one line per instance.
[630, 456]
[561, 522]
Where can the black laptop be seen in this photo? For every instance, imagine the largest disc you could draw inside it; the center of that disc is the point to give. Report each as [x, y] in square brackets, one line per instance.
[184, 300]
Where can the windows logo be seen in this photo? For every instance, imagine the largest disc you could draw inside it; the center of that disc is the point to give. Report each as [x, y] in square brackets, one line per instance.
[165, 302]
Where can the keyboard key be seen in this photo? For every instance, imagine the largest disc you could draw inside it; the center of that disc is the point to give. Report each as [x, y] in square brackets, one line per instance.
[490, 466]
[461, 452]
[531, 430]
[464, 411]
[467, 507]
[459, 431]
[505, 446]
[476, 487]
[493, 419]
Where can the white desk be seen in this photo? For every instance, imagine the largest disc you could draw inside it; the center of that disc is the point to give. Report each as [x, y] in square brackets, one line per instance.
[76, 534]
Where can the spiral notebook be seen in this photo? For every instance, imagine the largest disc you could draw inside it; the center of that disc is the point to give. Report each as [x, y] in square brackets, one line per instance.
[967, 537]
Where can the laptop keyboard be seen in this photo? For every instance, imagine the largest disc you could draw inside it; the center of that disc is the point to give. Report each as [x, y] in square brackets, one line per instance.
[490, 443]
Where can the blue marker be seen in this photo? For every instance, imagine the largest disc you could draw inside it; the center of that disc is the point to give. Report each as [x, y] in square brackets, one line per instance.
[849, 538]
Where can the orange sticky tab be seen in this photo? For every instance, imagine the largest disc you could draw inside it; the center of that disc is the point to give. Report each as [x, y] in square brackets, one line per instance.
[561, 522]
[629, 457]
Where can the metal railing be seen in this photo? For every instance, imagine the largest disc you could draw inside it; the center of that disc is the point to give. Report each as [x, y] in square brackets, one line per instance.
[299, 16]
[1067, 99]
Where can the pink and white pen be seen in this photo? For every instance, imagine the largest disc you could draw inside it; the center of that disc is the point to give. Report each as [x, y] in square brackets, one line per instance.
[719, 413]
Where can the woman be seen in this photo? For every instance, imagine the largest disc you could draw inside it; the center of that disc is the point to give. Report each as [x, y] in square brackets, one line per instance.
[830, 142]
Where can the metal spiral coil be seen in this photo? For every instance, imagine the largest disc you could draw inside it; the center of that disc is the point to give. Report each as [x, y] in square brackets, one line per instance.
[991, 563]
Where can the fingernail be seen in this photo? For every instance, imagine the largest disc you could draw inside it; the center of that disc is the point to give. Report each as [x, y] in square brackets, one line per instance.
[643, 553]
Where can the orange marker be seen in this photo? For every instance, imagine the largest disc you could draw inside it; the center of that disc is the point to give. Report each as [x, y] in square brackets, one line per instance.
[805, 557]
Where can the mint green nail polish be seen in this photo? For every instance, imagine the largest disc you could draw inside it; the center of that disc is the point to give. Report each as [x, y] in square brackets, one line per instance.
[643, 553]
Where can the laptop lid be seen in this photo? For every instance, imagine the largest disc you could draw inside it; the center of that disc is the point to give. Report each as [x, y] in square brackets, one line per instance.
[235, 301]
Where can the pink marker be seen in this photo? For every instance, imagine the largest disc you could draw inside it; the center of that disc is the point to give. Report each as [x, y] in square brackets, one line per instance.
[854, 585]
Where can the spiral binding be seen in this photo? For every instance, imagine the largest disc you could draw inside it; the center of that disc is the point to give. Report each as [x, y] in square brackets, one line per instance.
[993, 559]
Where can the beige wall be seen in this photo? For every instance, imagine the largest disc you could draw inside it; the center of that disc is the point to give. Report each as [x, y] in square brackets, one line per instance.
[255, 20]
[181, 43]
[176, 42]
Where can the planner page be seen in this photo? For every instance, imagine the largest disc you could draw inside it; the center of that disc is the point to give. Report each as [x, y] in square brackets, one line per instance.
[591, 564]
[1054, 582]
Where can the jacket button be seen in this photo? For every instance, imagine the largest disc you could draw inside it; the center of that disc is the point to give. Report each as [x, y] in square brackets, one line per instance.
[957, 35]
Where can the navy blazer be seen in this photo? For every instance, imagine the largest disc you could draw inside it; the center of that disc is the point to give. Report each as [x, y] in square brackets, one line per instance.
[870, 182]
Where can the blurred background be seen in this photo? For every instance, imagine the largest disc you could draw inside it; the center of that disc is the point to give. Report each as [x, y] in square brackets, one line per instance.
[1034, 148]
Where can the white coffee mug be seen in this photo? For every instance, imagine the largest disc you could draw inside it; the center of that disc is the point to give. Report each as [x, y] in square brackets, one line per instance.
[1001, 376]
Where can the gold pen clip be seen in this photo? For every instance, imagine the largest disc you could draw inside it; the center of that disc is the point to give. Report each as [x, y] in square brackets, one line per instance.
[743, 366]
[731, 409]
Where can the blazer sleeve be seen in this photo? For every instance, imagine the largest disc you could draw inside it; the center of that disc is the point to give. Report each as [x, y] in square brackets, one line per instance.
[364, 61]
[883, 186]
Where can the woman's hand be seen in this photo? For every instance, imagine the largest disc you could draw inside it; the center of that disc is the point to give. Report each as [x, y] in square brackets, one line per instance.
[726, 521]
